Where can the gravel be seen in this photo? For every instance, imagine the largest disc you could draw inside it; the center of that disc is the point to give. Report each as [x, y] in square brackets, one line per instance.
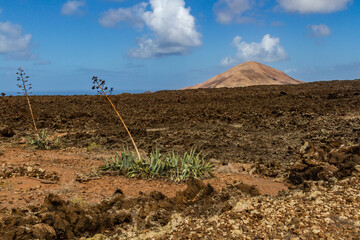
[323, 210]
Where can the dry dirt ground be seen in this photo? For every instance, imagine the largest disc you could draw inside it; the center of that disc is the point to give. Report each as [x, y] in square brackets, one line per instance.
[287, 164]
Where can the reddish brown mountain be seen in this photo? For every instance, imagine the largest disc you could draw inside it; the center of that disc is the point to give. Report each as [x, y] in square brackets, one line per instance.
[248, 74]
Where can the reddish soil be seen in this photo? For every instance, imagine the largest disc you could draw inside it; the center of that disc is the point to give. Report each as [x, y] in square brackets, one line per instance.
[261, 138]
[18, 191]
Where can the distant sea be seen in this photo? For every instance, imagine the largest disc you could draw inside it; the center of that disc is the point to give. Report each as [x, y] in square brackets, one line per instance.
[77, 92]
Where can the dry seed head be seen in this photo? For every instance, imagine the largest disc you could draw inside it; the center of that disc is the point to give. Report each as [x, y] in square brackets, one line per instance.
[23, 79]
[99, 85]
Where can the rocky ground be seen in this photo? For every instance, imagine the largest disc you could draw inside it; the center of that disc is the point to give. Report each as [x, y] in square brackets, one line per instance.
[287, 165]
[323, 210]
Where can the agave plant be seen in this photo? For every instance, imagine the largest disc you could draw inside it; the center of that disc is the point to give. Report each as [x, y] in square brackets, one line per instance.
[173, 166]
[40, 142]
[158, 166]
[122, 162]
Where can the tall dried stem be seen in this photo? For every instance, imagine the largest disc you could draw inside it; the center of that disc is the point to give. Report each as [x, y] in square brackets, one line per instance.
[100, 85]
[23, 79]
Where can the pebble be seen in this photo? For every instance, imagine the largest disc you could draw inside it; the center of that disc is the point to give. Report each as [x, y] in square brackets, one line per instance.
[241, 206]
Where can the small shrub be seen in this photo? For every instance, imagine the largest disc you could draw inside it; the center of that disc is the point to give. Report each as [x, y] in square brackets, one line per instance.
[173, 166]
[42, 142]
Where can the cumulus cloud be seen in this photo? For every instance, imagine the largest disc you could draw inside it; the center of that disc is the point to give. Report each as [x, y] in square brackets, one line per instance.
[133, 16]
[320, 30]
[311, 6]
[172, 26]
[13, 43]
[172, 22]
[268, 50]
[149, 48]
[228, 11]
[72, 7]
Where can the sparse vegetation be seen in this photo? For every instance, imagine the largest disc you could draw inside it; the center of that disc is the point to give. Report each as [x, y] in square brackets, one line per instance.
[43, 142]
[174, 167]
[39, 142]
[40, 139]
[64, 195]
[102, 89]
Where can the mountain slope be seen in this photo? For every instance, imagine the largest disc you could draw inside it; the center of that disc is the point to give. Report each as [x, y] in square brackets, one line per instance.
[248, 74]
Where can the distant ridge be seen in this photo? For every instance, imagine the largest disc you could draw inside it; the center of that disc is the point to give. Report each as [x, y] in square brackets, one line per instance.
[248, 74]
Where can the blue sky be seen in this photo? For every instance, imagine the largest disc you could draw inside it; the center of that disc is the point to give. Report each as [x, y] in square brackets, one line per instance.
[170, 44]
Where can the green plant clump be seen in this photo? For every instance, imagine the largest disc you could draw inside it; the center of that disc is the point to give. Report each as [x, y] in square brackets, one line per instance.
[173, 166]
[42, 142]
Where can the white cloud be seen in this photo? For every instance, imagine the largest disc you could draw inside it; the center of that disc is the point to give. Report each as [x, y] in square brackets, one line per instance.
[72, 7]
[290, 70]
[227, 11]
[268, 50]
[149, 48]
[227, 61]
[13, 43]
[133, 16]
[314, 6]
[170, 22]
[320, 30]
